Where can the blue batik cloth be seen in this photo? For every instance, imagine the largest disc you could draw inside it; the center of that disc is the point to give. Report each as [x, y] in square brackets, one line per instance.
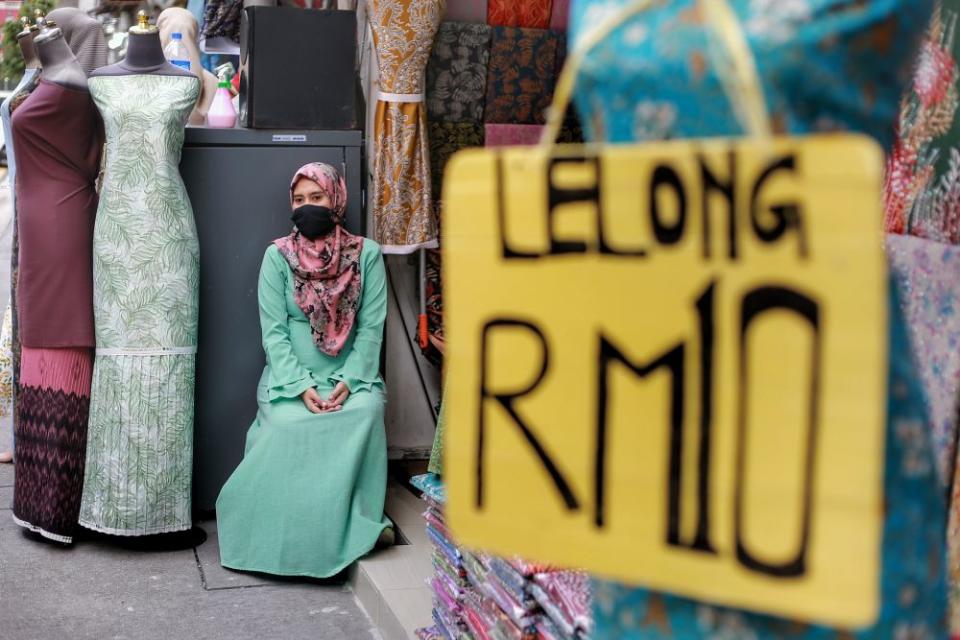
[825, 65]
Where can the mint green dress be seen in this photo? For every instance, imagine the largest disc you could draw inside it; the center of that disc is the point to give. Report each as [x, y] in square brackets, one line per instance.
[308, 497]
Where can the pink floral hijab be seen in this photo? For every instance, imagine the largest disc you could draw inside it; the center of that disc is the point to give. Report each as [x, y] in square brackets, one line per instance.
[326, 271]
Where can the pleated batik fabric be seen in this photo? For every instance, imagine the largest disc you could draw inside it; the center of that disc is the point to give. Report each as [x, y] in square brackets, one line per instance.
[403, 213]
[51, 434]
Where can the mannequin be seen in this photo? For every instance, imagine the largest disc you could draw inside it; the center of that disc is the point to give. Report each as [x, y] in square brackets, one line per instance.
[144, 54]
[27, 48]
[146, 257]
[60, 66]
[84, 36]
[27, 82]
[57, 138]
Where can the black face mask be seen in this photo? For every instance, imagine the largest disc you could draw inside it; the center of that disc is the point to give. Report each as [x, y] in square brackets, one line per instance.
[313, 221]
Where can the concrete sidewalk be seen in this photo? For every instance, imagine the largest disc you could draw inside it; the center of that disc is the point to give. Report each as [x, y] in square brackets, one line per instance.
[99, 591]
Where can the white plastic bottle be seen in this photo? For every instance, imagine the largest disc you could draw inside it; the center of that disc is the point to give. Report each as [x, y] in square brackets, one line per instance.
[176, 53]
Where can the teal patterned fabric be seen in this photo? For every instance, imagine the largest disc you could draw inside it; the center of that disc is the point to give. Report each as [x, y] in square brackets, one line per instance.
[824, 65]
[139, 467]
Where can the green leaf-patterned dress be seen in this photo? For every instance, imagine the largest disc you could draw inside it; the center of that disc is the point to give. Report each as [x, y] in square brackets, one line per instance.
[138, 475]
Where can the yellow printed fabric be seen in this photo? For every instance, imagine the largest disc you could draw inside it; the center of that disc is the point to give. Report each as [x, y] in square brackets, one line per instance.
[660, 360]
[403, 211]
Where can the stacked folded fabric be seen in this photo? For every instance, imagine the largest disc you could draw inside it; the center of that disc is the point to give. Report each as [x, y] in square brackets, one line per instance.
[481, 597]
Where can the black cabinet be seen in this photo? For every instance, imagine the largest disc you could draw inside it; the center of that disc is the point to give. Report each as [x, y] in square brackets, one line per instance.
[238, 181]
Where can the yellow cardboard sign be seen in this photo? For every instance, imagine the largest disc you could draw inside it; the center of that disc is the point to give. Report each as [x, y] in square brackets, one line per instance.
[667, 365]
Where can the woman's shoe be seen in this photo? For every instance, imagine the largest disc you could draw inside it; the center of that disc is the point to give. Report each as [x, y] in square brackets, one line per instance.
[388, 538]
[6, 457]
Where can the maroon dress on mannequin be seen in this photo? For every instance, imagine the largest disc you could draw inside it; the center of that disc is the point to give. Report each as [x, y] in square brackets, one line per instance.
[58, 136]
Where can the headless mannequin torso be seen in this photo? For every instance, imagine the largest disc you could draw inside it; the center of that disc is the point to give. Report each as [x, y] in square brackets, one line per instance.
[60, 66]
[27, 48]
[144, 55]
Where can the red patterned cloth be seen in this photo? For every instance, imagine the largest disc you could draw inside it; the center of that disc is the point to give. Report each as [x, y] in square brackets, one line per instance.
[534, 14]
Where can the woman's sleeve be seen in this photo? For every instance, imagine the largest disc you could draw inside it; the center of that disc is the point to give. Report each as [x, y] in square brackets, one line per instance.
[288, 379]
[362, 367]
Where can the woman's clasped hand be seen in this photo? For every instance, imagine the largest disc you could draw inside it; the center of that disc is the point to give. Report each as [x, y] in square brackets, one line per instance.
[315, 403]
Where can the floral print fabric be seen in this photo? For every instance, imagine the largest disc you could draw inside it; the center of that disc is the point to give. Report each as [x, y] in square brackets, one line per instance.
[522, 75]
[403, 32]
[457, 73]
[534, 14]
[655, 78]
[923, 172]
[139, 464]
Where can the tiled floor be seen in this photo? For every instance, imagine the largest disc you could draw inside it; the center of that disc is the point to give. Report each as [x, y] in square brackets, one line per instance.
[392, 585]
[100, 590]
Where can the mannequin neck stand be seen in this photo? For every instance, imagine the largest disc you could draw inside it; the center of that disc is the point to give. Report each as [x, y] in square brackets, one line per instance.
[29, 50]
[144, 57]
[60, 66]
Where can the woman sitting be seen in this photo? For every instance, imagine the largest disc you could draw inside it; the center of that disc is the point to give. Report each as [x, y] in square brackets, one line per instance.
[307, 499]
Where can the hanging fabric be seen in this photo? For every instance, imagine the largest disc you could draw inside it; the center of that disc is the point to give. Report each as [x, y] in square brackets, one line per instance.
[403, 32]
[446, 138]
[928, 274]
[651, 79]
[457, 73]
[467, 10]
[521, 75]
[817, 61]
[533, 14]
[560, 16]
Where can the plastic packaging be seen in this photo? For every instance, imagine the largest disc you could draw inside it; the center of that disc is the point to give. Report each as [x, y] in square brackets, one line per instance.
[176, 53]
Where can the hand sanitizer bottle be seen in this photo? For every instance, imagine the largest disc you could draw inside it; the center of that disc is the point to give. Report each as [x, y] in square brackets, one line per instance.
[222, 114]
